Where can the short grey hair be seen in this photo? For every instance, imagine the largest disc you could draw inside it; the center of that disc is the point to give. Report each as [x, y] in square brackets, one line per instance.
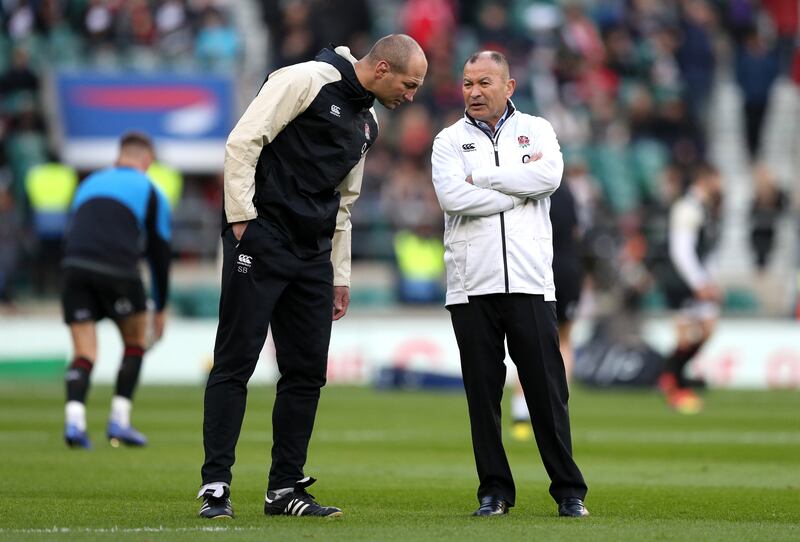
[396, 49]
[495, 56]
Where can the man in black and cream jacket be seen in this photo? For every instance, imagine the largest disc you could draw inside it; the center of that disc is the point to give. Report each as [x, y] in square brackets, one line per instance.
[293, 169]
[493, 172]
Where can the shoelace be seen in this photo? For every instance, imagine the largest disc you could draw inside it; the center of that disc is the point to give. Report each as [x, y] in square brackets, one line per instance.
[303, 493]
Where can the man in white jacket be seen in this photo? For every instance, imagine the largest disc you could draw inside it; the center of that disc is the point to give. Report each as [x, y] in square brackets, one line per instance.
[493, 172]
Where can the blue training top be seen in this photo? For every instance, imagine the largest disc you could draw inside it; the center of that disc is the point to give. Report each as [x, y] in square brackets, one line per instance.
[118, 215]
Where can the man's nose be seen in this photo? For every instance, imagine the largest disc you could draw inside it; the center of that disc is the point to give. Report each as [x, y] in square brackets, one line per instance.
[409, 96]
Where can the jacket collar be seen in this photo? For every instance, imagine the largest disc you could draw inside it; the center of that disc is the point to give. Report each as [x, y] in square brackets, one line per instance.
[341, 59]
[510, 109]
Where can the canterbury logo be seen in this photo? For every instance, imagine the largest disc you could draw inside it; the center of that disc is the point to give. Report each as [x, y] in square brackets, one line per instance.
[336, 111]
[466, 147]
[244, 259]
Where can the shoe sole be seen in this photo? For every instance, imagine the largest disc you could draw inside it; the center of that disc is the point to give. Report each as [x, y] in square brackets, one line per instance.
[333, 515]
[74, 444]
[220, 516]
[116, 443]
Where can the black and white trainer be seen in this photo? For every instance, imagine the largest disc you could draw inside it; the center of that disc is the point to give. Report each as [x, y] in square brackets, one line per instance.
[216, 501]
[298, 502]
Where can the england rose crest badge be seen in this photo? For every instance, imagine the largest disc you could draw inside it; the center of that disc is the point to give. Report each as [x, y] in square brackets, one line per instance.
[523, 141]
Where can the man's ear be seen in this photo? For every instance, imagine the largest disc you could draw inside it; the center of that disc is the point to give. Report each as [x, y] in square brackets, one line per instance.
[382, 69]
[510, 87]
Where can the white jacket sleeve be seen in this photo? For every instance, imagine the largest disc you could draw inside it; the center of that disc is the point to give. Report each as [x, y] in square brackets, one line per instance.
[534, 180]
[456, 196]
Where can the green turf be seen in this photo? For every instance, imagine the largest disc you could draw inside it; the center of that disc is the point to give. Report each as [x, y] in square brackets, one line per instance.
[400, 465]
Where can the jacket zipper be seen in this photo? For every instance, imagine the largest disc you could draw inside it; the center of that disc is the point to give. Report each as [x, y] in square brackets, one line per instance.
[502, 221]
[502, 215]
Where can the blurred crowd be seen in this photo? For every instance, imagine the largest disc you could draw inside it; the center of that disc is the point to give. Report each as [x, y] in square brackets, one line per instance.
[627, 85]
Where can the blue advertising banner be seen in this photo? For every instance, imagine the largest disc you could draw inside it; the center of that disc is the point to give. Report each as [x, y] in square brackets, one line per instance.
[188, 116]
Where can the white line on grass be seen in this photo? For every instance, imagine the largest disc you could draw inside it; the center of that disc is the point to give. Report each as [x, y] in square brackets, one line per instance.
[70, 530]
[693, 437]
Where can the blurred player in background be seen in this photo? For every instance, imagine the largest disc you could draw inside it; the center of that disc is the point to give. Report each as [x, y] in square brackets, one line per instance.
[688, 284]
[568, 278]
[117, 216]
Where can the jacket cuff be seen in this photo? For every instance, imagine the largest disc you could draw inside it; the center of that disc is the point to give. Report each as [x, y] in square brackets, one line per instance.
[340, 258]
[236, 211]
[241, 217]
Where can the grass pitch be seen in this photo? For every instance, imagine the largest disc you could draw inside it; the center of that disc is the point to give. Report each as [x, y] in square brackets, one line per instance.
[400, 466]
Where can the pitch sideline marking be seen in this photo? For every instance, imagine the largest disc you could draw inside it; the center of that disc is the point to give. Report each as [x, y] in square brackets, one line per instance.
[68, 530]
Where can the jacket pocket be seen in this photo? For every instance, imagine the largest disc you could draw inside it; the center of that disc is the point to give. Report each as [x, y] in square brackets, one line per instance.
[457, 280]
[244, 241]
[544, 246]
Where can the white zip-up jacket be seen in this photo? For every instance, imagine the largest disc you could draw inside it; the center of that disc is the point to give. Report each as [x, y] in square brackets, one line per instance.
[498, 236]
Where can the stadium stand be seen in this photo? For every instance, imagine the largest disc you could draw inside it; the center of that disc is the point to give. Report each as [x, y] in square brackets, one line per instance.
[640, 91]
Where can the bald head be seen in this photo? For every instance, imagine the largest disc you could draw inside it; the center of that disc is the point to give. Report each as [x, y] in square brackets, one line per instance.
[397, 50]
[496, 57]
[393, 70]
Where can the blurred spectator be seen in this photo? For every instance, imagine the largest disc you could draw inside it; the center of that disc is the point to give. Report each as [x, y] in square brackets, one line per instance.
[622, 56]
[98, 22]
[419, 254]
[580, 37]
[427, 20]
[293, 39]
[217, 44]
[169, 180]
[696, 59]
[18, 78]
[796, 66]
[135, 25]
[416, 132]
[343, 22]
[493, 28]
[739, 17]
[21, 21]
[785, 15]
[665, 73]
[756, 71]
[25, 145]
[408, 198]
[11, 227]
[49, 188]
[769, 202]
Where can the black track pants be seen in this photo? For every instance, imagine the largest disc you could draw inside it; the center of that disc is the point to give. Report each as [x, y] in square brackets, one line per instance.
[528, 323]
[264, 284]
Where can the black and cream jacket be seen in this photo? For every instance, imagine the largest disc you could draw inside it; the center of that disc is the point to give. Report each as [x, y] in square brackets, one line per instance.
[295, 159]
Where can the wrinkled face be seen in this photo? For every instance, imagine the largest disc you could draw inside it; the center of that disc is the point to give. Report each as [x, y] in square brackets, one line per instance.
[486, 90]
[393, 88]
